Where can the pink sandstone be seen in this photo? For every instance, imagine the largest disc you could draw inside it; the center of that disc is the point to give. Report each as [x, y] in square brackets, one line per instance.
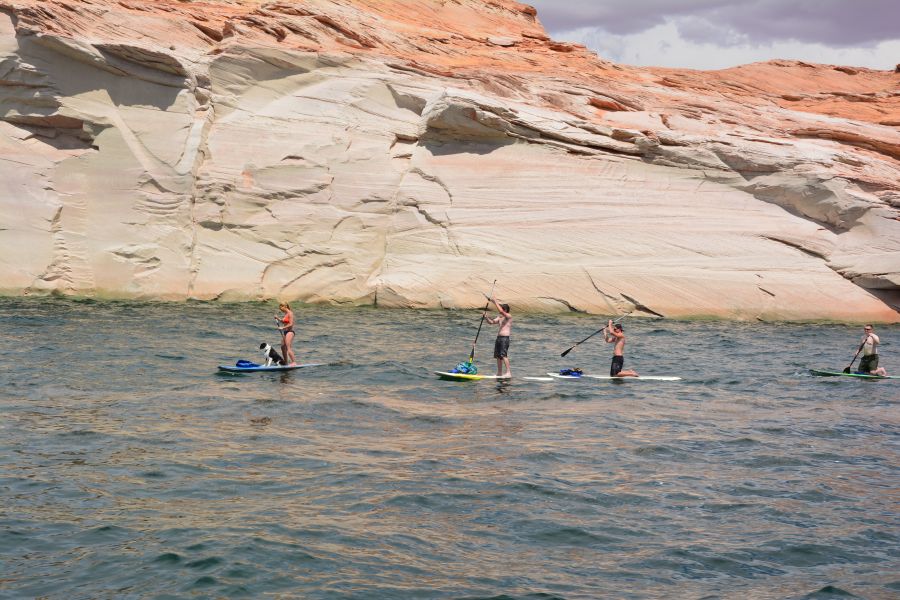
[408, 152]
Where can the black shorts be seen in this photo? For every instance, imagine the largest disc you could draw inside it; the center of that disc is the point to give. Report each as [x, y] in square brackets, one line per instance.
[869, 363]
[617, 363]
[501, 346]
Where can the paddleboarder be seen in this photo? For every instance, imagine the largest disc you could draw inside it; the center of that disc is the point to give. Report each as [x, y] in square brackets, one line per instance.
[501, 344]
[868, 364]
[615, 334]
[286, 327]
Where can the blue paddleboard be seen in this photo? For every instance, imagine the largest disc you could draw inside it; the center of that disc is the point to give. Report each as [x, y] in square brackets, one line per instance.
[258, 368]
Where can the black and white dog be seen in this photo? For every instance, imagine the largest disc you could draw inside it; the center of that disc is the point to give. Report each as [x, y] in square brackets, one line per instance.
[272, 356]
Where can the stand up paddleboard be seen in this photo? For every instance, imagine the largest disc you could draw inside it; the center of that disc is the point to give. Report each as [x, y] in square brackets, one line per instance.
[639, 378]
[608, 378]
[259, 368]
[447, 376]
[819, 373]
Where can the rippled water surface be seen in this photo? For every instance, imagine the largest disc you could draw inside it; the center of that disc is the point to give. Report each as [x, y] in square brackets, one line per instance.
[130, 469]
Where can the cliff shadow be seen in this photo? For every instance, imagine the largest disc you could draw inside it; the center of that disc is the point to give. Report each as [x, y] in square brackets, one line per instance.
[441, 146]
[128, 76]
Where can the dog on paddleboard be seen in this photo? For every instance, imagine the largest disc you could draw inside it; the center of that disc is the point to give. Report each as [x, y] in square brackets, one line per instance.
[272, 356]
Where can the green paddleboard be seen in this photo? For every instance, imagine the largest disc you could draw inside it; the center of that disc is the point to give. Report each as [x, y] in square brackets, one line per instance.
[842, 374]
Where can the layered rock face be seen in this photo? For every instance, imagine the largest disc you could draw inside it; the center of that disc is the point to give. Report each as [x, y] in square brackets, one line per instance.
[409, 152]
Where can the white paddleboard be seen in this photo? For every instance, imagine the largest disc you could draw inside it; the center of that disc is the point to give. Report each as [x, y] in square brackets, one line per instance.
[641, 378]
[608, 378]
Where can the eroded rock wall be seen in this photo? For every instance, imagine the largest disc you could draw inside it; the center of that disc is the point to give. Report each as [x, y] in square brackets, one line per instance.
[409, 154]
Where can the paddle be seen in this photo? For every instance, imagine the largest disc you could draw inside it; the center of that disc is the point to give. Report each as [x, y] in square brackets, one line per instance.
[278, 327]
[847, 368]
[582, 341]
[589, 337]
[472, 355]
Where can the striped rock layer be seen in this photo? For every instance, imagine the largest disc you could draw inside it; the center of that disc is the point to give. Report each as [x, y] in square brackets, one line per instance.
[410, 152]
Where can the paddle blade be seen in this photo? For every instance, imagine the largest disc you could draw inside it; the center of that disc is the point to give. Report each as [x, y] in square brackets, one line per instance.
[846, 369]
[567, 351]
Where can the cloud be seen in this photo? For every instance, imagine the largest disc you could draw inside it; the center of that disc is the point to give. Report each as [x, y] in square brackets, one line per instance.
[839, 23]
[621, 16]
[665, 46]
[703, 31]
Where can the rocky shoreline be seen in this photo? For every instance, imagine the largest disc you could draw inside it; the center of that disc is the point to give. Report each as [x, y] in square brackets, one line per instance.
[409, 154]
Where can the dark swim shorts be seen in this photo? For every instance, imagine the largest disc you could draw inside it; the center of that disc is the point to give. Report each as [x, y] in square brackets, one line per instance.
[617, 363]
[869, 363]
[501, 346]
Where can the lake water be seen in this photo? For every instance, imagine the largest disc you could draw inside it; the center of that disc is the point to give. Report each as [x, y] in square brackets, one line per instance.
[130, 469]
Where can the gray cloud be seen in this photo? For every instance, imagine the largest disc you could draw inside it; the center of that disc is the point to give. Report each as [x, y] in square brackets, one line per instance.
[840, 23]
[619, 16]
[705, 31]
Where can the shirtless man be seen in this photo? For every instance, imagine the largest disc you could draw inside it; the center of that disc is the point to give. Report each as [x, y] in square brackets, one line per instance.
[501, 345]
[868, 364]
[616, 334]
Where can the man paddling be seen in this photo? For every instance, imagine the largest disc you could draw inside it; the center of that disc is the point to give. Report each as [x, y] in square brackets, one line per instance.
[868, 364]
[616, 334]
[501, 344]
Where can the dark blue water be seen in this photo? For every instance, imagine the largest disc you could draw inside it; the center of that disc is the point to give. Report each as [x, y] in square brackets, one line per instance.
[130, 469]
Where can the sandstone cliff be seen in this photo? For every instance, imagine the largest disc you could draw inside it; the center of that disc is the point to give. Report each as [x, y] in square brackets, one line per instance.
[408, 152]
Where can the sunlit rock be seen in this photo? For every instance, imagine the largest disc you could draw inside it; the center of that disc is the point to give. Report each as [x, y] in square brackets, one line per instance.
[408, 153]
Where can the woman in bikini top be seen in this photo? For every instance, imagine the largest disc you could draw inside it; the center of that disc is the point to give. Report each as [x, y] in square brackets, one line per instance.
[287, 329]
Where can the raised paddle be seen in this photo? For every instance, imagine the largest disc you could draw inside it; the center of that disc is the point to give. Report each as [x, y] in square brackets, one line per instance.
[472, 355]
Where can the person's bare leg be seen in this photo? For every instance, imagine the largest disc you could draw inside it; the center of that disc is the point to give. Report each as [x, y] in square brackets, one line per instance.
[287, 350]
[499, 367]
[506, 364]
[627, 373]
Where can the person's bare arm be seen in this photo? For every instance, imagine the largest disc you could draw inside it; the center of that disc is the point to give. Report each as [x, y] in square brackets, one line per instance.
[500, 309]
[607, 331]
[497, 304]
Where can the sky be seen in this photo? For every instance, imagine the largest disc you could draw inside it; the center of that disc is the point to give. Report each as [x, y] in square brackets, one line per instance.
[716, 34]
